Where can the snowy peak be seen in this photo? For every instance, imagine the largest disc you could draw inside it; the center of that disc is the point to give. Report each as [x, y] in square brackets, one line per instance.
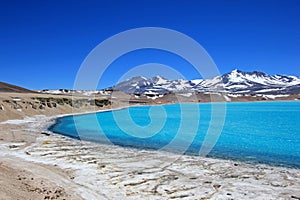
[239, 76]
[235, 81]
[159, 80]
[256, 77]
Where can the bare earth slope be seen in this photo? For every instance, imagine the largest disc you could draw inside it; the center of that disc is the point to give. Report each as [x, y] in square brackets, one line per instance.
[20, 105]
[5, 87]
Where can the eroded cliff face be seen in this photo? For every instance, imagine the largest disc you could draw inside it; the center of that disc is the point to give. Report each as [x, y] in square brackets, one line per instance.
[16, 105]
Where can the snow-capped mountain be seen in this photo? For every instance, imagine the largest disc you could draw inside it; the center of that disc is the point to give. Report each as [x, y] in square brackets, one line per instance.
[235, 82]
[154, 85]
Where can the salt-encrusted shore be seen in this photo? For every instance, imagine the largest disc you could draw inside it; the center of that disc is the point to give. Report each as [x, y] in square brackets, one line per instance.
[45, 166]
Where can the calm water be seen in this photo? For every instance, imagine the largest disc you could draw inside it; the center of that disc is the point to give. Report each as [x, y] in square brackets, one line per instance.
[262, 132]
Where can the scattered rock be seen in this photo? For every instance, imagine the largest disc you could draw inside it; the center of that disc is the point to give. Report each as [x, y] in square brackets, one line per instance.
[295, 197]
[13, 146]
[216, 186]
[101, 166]
[245, 176]
[207, 182]
[49, 105]
[44, 133]
[46, 142]
[60, 102]
[42, 107]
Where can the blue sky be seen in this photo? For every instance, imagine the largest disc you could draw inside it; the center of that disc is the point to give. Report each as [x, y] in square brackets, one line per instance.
[43, 43]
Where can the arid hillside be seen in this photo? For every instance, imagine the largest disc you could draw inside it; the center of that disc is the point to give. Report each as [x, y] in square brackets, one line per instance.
[5, 87]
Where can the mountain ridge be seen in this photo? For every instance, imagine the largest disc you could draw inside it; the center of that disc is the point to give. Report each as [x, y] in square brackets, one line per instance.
[235, 82]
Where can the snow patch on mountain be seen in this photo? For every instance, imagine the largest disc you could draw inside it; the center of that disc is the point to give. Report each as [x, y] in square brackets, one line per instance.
[234, 82]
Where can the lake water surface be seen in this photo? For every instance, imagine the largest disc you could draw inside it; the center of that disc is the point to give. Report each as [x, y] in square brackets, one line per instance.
[260, 132]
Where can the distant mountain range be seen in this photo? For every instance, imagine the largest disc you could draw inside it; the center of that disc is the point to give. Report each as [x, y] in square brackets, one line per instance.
[235, 82]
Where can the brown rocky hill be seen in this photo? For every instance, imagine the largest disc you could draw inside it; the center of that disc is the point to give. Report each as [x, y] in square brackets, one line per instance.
[5, 87]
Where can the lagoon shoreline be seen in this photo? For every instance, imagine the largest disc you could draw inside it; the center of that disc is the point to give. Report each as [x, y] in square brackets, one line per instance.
[27, 147]
[53, 166]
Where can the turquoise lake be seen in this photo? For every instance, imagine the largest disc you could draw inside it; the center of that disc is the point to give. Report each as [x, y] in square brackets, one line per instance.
[255, 132]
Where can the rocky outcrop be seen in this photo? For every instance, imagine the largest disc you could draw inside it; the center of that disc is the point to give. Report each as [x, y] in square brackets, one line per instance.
[50, 102]
[21, 105]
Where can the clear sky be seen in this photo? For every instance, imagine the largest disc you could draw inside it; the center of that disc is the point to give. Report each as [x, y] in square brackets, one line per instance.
[43, 43]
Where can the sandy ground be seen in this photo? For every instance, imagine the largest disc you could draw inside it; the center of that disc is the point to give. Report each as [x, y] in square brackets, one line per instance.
[27, 180]
[35, 164]
[23, 179]
[20, 179]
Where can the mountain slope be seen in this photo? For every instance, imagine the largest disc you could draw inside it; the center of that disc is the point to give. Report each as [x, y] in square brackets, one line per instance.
[5, 87]
[235, 82]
